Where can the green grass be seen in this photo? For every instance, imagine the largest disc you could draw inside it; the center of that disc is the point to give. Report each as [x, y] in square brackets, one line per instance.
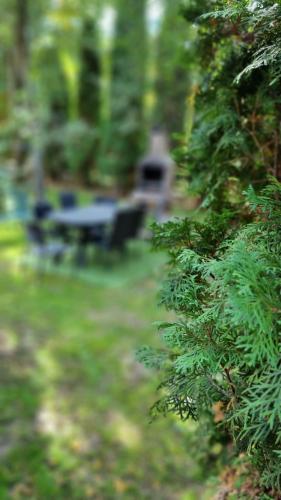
[74, 402]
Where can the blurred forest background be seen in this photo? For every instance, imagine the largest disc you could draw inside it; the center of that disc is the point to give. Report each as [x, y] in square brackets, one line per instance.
[83, 83]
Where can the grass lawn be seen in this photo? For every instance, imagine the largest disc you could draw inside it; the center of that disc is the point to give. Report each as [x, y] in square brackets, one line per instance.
[74, 402]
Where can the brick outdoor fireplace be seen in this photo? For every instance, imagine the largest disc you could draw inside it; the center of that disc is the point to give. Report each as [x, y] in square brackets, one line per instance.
[154, 175]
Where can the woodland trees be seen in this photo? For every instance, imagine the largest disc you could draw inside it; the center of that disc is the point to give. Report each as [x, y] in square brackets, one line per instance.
[83, 83]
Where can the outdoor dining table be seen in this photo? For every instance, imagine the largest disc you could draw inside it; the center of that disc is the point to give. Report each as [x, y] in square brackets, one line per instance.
[85, 217]
[83, 220]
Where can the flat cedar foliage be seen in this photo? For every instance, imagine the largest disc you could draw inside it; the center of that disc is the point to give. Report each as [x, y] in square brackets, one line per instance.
[221, 362]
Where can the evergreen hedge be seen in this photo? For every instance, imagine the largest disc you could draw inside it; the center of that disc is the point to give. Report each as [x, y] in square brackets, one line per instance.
[221, 356]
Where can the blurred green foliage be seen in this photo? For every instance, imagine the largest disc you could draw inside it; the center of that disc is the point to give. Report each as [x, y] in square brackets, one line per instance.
[76, 67]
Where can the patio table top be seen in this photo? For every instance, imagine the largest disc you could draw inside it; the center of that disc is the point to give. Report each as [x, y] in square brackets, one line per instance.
[87, 216]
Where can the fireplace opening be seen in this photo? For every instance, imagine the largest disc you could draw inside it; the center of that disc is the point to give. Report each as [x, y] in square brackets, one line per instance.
[151, 176]
[154, 175]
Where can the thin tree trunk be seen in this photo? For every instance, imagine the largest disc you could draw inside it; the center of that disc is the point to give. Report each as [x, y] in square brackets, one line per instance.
[127, 89]
[20, 68]
[21, 44]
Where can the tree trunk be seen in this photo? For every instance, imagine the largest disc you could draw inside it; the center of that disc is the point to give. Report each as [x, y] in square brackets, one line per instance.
[172, 84]
[127, 89]
[20, 53]
[90, 75]
[21, 44]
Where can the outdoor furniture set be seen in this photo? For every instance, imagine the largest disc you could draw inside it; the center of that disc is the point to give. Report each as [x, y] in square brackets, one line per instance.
[105, 224]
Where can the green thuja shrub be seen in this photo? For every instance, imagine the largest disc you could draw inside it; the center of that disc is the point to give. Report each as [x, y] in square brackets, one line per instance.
[220, 362]
[223, 351]
[235, 139]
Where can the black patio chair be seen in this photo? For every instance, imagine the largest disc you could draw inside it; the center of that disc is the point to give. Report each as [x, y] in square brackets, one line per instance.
[136, 221]
[40, 247]
[68, 200]
[41, 210]
[125, 227]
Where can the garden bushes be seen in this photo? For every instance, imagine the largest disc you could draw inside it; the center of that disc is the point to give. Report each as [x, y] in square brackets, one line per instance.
[221, 357]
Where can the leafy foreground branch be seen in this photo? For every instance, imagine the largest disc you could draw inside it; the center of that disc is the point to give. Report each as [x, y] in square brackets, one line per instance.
[221, 358]
[223, 351]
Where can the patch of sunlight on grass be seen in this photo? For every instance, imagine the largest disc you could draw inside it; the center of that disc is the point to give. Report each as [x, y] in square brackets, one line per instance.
[59, 455]
[64, 437]
[191, 495]
[11, 245]
[10, 252]
[52, 423]
[49, 369]
[11, 233]
[124, 431]
[8, 342]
